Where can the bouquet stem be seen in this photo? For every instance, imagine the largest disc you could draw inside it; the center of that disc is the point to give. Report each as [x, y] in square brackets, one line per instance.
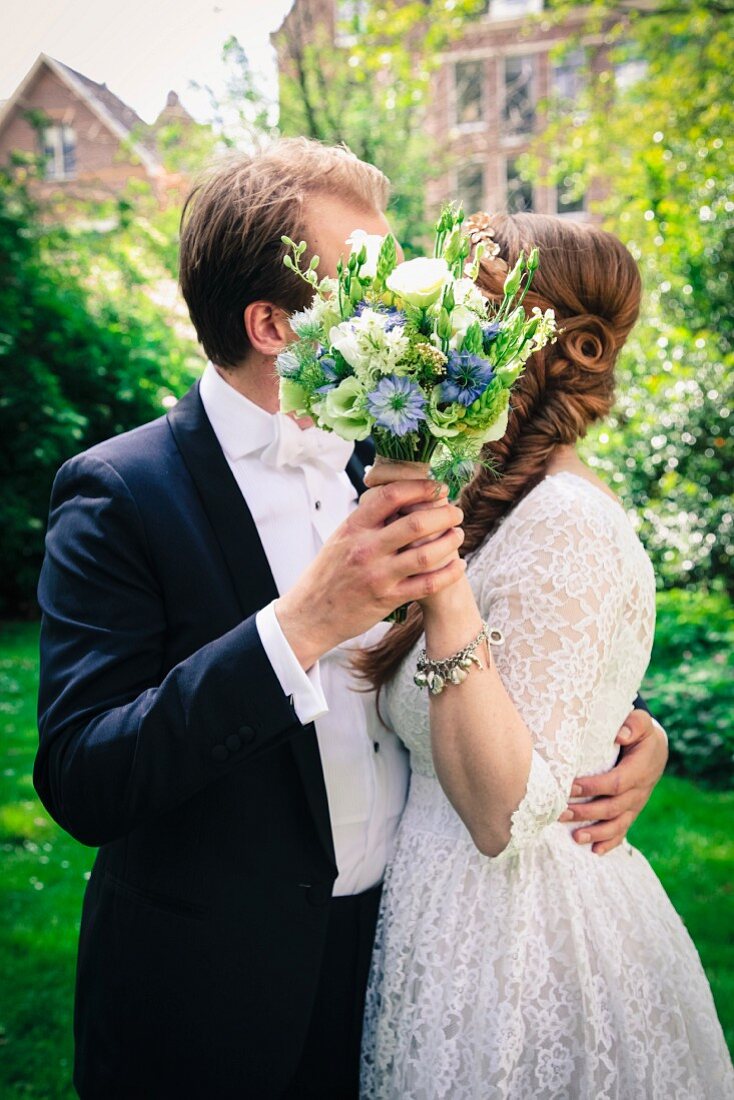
[385, 471]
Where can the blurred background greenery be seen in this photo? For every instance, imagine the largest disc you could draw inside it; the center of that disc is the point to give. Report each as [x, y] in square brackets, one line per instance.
[93, 342]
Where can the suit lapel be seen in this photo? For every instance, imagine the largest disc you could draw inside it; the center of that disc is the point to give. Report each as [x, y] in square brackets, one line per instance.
[247, 564]
[362, 456]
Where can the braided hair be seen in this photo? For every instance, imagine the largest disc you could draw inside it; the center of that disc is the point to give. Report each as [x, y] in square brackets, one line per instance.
[591, 281]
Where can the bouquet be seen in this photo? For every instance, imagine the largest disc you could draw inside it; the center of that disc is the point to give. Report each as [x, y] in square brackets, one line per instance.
[411, 353]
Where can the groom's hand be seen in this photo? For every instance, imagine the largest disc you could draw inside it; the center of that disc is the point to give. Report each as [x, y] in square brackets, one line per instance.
[619, 795]
[368, 567]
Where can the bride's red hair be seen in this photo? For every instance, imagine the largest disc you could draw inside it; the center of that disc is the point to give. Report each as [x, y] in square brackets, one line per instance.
[591, 281]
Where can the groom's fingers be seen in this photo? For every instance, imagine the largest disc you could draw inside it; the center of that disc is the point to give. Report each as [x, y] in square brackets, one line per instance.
[637, 725]
[428, 584]
[377, 505]
[606, 835]
[420, 525]
[430, 555]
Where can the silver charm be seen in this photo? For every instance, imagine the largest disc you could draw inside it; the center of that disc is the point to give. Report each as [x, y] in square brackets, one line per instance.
[435, 675]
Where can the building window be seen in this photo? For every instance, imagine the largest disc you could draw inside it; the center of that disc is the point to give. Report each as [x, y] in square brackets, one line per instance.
[511, 9]
[470, 187]
[568, 200]
[468, 92]
[518, 114]
[59, 151]
[519, 190]
[568, 76]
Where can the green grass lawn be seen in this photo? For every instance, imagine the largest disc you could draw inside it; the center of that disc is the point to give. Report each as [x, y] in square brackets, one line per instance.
[687, 833]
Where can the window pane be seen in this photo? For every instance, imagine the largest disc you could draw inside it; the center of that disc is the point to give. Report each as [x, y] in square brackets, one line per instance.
[69, 150]
[51, 145]
[569, 76]
[468, 76]
[519, 106]
[470, 187]
[519, 191]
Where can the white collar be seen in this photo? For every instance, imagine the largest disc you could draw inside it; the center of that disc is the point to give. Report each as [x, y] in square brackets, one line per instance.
[239, 424]
[243, 428]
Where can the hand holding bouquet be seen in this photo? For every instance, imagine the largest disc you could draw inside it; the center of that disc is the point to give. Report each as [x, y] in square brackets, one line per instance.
[411, 353]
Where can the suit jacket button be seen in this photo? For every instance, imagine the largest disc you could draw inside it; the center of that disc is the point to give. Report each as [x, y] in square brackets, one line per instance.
[247, 734]
[233, 742]
[219, 753]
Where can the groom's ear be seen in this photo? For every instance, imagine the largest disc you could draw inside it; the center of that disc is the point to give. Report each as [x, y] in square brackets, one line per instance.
[268, 328]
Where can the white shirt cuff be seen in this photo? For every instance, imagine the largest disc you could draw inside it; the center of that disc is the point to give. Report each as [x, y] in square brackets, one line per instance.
[305, 688]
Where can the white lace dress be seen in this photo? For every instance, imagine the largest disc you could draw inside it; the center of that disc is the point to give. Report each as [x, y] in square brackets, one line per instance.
[547, 973]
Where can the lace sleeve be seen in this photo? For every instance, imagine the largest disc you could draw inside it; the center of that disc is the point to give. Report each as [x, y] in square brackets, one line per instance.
[558, 594]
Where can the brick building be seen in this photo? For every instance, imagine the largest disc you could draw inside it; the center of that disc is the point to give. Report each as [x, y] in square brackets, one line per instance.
[486, 96]
[92, 142]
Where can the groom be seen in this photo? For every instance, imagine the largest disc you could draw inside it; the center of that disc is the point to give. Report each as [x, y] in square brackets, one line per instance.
[196, 717]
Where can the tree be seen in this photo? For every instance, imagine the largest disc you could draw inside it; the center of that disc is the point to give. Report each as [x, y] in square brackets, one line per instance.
[365, 82]
[659, 147]
[84, 355]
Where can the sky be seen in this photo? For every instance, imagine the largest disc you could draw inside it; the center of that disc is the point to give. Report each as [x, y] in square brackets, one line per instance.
[139, 48]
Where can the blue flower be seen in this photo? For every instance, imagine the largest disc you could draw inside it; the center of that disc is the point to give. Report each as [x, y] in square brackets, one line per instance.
[395, 317]
[489, 334]
[467, 376]
[328, 366]
[397, 405]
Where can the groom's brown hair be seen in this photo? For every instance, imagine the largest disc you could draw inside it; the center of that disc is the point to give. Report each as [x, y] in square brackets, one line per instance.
[231, 250]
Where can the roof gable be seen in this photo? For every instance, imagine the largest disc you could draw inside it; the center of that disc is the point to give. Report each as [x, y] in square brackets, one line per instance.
[112, 112]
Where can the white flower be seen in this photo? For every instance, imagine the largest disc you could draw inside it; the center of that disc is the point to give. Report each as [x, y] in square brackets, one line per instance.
[372, 242]
[419, 282]
[322, 313]
[462, 318]
[467, 293]
[367, 346]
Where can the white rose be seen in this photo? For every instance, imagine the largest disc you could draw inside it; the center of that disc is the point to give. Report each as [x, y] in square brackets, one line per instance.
[419, 282]
[372, 242]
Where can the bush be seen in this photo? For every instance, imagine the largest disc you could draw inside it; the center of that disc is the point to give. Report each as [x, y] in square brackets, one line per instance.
[690, 683]
[83, 356]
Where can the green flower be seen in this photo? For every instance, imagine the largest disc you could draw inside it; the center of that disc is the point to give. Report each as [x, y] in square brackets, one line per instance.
[344, 410]
[444, 423]
[486, 418]
[293, 397]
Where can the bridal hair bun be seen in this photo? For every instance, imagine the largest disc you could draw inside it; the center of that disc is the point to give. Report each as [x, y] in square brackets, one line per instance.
[589, 341]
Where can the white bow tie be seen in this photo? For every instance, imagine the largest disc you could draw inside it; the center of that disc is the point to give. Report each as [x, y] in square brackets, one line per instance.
[293, 446]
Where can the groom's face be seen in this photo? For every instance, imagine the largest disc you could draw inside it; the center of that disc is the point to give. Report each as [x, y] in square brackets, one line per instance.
[329, 223]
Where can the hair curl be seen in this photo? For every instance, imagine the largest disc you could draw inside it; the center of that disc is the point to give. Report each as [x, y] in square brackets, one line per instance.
[592, 283]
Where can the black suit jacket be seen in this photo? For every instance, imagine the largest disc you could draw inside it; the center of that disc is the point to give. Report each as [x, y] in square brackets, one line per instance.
[166, 740]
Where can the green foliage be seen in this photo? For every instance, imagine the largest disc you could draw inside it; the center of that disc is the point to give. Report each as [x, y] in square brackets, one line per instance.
[668, 187]
[690, 684]
[370, 91]
[84, 354]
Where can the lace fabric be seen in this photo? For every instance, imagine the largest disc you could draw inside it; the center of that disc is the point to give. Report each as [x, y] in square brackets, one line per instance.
[546, 973]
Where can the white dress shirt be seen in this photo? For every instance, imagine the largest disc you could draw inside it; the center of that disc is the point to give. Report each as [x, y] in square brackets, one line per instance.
[294, 484]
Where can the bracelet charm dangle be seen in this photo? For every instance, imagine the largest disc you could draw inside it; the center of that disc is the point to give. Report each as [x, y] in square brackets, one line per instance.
[435, 675]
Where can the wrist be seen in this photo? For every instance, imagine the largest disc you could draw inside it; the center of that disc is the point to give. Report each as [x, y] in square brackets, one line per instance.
[307, 638]
[455, 602]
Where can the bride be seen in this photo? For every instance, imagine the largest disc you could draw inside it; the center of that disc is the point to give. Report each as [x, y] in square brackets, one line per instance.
[510, 961]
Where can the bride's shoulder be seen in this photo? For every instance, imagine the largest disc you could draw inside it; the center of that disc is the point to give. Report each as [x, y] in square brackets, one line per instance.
[564, 510]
